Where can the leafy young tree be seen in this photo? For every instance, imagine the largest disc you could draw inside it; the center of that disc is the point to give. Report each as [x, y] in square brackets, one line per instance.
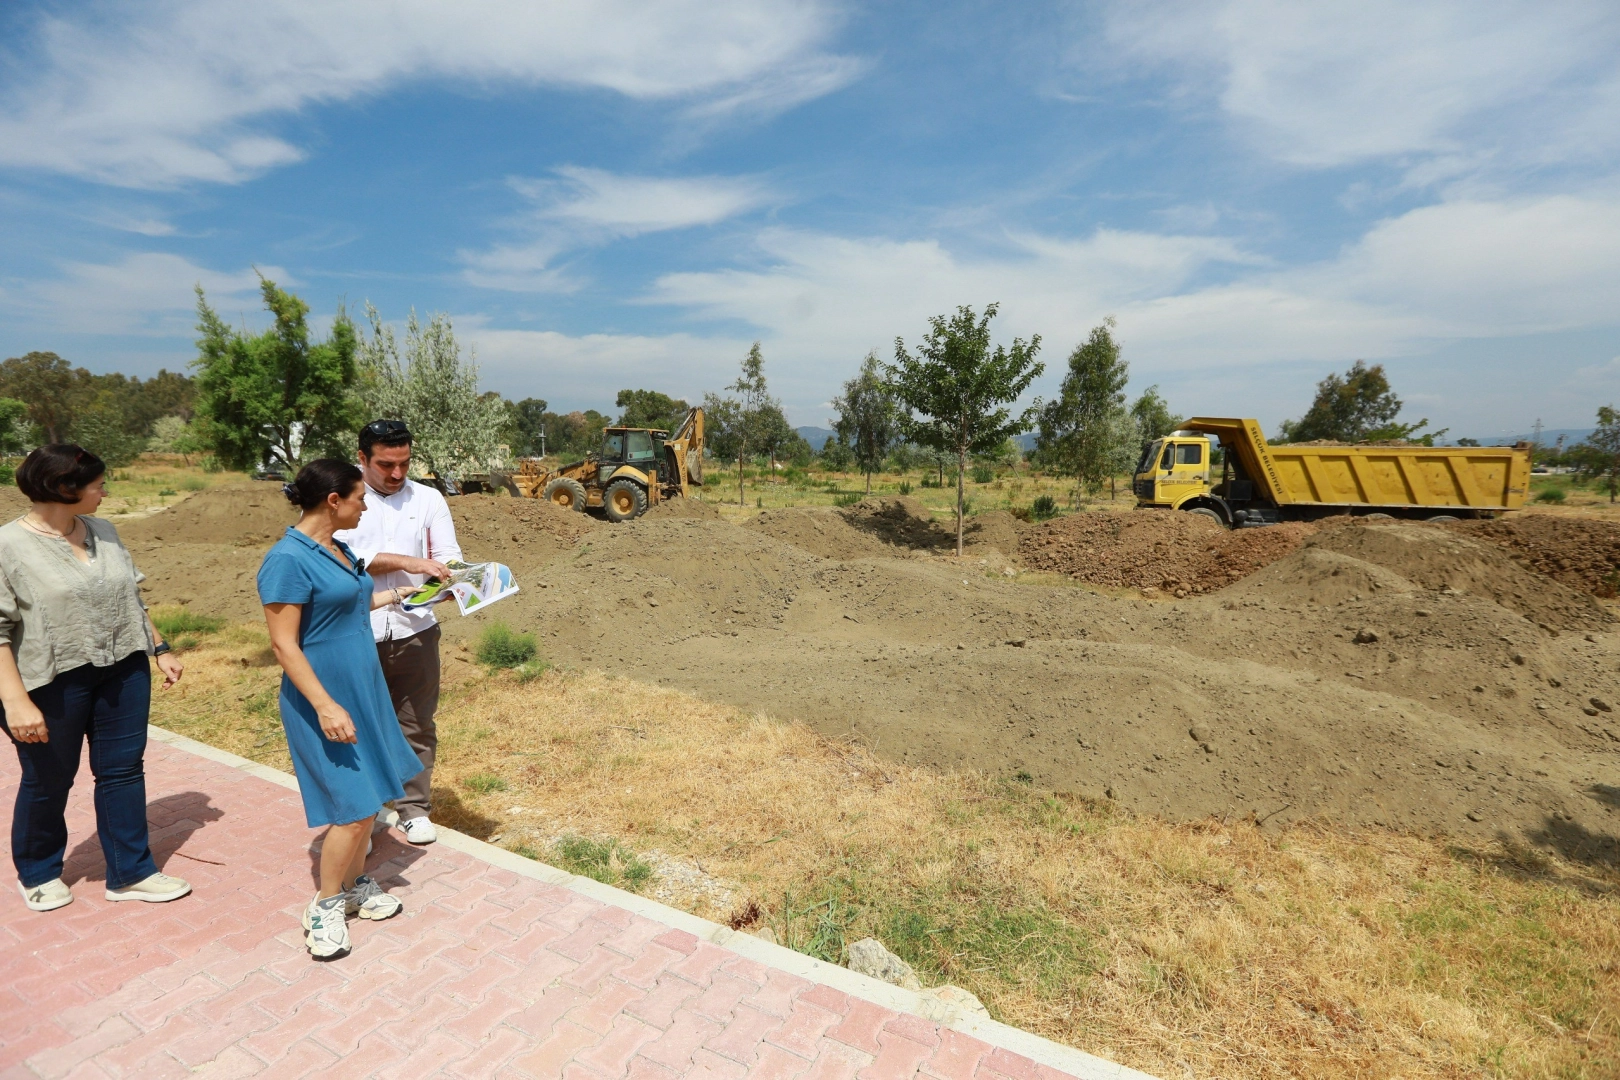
[526, 420]
[836, 456]
[954, 392]
[749, 425]
[14, 427]
[1079, 430]
[49, 385]
[774, 437]
[455, 429]
[722, 427]
[868, 417]
[1599, 456]
[650, 409]
[275, 396]
[1153, 416]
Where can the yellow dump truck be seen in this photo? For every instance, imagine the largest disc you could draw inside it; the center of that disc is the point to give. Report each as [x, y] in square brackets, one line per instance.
[1259, 484]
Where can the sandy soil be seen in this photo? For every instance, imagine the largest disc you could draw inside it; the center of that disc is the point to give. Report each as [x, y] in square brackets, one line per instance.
[1409, 675]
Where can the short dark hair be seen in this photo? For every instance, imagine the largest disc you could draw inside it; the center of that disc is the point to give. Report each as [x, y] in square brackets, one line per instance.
[320, 478]
[384, 433]
[58, 472]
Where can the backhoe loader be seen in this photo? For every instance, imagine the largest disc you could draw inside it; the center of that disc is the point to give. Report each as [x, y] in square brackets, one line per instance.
[635, 468]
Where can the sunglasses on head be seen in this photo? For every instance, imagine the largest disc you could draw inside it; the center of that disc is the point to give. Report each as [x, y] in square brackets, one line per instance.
[383, 428]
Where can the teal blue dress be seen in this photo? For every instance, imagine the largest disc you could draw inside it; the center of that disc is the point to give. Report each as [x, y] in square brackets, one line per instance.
[340, 782]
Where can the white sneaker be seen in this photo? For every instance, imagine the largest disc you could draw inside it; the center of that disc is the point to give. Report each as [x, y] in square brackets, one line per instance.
[47, 897]
[326, 930]
[157, 889]
[368, 901]
[419, 830]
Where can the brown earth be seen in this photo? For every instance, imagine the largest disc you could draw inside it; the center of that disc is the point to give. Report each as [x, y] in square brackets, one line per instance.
[1401, 674]
[1583, 553]
[1178, 553]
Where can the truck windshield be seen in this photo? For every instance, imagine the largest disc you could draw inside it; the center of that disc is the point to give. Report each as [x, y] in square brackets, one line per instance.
[640, 446]
[1149, 452]
[613, 446]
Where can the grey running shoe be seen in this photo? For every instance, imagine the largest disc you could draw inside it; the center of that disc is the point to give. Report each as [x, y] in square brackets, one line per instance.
[326, 931]
[368, 901]
[47, 897]
[157, 889]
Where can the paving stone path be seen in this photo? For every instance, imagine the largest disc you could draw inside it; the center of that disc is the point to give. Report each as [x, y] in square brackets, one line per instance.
[498, 967]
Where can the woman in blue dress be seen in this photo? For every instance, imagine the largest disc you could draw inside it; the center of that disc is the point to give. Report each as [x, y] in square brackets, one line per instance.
[347, 749]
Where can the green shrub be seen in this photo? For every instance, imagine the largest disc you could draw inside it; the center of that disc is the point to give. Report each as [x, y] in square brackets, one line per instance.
[1551, 495]
[167, 491]
[484, 783]
[606, 861]
[174, 622]
[531, 670]
[8, 474]
[983, 474]
[848, 500]
[193, 483]
[905, 487]
[1043, 508]
[499, 646]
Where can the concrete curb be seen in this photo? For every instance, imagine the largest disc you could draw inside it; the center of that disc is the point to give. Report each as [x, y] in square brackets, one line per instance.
[1055, 1055]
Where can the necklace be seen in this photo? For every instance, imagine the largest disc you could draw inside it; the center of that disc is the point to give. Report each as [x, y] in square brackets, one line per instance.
[43, 529]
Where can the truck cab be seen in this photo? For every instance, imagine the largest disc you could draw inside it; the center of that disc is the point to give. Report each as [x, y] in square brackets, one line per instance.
[1173, 471]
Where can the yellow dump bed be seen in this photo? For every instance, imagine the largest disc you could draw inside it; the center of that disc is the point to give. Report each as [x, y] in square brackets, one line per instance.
[1473, 478]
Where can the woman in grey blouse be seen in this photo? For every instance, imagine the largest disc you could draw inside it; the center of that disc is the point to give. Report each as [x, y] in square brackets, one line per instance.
[74, 638]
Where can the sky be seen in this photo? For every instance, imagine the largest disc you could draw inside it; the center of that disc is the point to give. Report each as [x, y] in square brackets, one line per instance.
[615, 194]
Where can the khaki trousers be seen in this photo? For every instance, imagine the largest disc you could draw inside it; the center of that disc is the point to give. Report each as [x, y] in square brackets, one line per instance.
[411, 668]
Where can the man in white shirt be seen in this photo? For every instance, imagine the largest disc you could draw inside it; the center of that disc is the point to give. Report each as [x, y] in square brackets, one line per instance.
[405, 536]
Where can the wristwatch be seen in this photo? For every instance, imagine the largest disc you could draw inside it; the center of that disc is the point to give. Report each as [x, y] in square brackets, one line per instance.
[161, 648]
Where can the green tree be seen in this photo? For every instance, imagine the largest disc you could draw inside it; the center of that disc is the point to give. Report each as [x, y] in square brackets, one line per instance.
[455, 430]
[14, 425]
[955, 391]
[1080, 429]
[49, 384]
[722, 427]
[1153, 416]
[750, 423]
[1358, 406]
[526, 421]
[868, 417]
[650, 409]
[275, 396]
[1598, 457]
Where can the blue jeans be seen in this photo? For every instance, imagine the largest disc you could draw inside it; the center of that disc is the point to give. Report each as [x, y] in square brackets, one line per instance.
[110, 707]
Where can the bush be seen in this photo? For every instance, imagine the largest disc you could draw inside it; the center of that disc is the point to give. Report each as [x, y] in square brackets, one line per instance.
[905, 487]
[848, 500]
[1043, 508]
[983, 474]
[8, 474]
[1551, 495]
[499, 646]
[172, 622]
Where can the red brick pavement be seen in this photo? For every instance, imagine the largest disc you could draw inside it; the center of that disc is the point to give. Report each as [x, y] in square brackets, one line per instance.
[487, 973]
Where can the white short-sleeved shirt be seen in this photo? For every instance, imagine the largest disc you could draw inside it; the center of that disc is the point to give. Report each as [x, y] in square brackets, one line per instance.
[413, 521]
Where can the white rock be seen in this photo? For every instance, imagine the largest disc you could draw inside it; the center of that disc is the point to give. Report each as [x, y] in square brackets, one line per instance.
[868, 957]
[964, 1001]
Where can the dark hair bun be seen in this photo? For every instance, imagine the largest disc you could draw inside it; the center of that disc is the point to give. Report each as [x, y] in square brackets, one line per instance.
[58, 472]
[320, 478]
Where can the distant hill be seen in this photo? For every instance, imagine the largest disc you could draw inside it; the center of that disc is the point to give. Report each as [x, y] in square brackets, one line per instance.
[816, 436]
[1548, 438]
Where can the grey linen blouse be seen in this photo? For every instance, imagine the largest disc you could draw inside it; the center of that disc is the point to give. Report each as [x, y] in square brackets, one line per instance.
[58, 613]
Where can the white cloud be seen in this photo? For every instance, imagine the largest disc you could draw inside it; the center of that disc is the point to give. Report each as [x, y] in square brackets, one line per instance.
[147, 294]
[188, 90]
[590, 206]
[587, 371]
[1456, 83]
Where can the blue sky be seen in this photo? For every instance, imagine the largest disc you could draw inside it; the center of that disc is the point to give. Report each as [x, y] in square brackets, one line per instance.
[617, 194]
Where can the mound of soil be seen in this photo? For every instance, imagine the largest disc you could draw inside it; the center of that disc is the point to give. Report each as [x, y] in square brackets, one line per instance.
[1397, 674]
[1582, 553]
[684, 508]
[1443, 560]
[244, 514]
[1182, 554]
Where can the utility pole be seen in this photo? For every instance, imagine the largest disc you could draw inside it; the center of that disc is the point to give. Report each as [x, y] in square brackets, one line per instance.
[542, 440]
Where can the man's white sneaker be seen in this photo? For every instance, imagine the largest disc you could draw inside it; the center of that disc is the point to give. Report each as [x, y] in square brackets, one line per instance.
[326, 931]
[157, 889]
[47, 897]
[368, 901]
[419, 830]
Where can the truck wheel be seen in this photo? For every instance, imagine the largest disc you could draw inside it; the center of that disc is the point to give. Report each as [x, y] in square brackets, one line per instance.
[1378, 517]
[1204, 511]
[1443, 517]
[624, 500]
[565, 493]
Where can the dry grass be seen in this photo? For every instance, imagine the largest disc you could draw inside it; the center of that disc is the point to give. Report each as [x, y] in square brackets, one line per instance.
[1205, 949]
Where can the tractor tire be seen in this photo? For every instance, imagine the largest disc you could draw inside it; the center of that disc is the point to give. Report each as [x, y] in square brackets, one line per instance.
[1443, 517]
[624, 500]
[565, 493]
[1204, 511]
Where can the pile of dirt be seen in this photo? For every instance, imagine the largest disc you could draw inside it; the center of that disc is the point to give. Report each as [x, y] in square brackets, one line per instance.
[1394, 673]
[1582, 553]
[1180, 554]
[1442, 560]
[241, 514]
[684, 508]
